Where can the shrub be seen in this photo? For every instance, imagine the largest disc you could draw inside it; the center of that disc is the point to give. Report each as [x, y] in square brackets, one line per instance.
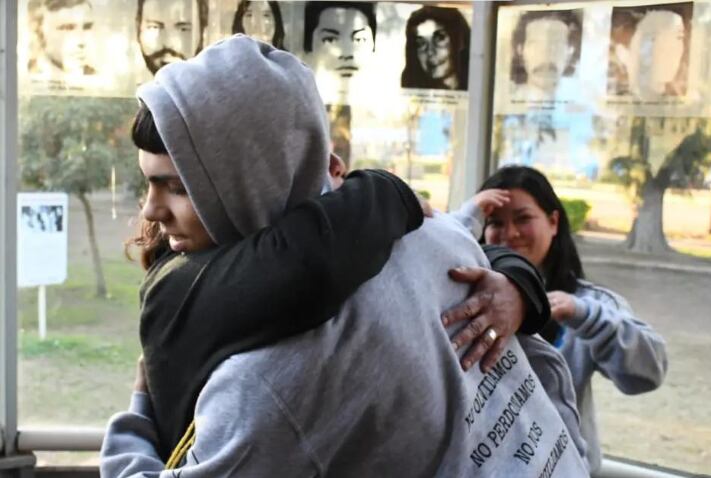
[577, 211]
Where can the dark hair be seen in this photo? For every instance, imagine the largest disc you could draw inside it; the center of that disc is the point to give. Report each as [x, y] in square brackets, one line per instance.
[312, 14]
[624, 25]
[203, 12]
[144, 132]
[54, 5]
[413, 76]
[571, 19]
[149, 239]
[277, 38]
[561, 267]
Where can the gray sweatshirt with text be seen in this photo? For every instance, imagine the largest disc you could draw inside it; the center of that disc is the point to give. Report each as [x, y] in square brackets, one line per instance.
[377, 391]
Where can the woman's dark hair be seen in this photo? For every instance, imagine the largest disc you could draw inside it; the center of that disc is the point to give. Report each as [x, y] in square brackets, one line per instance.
[413, 76]
[561, 267]
[149, 239]
[238, 25]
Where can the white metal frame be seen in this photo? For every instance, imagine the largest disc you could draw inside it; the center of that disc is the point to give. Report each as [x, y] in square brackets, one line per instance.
[12, 440]
[8, 236]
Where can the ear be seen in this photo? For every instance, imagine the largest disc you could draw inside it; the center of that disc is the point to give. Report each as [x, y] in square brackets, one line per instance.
[336, 166]
[554, 219]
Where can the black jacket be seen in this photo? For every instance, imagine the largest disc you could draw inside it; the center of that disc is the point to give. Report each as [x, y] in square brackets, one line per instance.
[200, 308]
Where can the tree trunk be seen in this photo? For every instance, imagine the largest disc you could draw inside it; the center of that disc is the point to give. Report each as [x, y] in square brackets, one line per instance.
[647, 234]
[95, 257]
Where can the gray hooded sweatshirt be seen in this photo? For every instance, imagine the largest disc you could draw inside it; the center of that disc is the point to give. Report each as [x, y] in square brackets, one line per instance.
[377, 390]
[246, 129]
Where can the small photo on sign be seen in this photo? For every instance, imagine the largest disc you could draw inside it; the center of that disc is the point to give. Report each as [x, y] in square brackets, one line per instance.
[42, 219]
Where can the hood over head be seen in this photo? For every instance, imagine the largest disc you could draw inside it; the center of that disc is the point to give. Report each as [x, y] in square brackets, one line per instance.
[246, 129]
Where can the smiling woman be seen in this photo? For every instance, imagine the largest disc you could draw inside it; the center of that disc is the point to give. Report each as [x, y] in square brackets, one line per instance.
[594, 328]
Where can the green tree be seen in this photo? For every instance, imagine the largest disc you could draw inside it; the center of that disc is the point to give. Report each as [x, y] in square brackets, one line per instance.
[70, 144]
[684, 166]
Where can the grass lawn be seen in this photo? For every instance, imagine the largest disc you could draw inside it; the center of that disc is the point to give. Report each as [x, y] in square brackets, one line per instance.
[83, 371]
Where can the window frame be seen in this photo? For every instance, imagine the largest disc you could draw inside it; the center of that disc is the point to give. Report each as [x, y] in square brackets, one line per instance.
[8, 225]
[478, 165]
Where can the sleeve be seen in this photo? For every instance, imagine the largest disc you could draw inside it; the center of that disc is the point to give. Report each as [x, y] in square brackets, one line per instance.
[471, 216]
[624, 349]
[241, 429]
[308, 263]
[554, 374]
[528, 281]
[129, 447]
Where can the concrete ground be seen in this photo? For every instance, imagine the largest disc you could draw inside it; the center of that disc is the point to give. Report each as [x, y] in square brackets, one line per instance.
[672, 425]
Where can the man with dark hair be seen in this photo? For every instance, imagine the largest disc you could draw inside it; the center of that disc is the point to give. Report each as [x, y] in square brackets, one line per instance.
[340, 34]
[546, 47]
[61, 29]
[166, 34]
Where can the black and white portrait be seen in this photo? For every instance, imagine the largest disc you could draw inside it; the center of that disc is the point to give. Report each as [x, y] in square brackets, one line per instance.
[61, 38]
[546, 48]
[170, 31]
[261, 20]
[649, 50]
[340, 36]
[436, 49]
[42, 219]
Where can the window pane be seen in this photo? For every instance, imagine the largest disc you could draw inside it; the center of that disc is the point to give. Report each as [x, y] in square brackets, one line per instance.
[79, 64]
[610, 101]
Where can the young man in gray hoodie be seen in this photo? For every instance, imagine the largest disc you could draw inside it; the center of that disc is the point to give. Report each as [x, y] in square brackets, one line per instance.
[376, 391]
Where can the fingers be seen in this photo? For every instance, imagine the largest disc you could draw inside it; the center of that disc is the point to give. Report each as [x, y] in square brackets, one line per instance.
[467, 274]
[484, 342]
[467, 310]
[492, 355]
[469, 333]
[425, 205]
[499, 199]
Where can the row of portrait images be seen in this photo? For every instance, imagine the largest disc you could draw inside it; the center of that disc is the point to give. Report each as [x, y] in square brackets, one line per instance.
[654, 56]
[97, 48]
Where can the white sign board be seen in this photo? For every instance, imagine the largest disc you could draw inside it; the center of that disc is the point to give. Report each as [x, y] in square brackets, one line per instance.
[41, 239]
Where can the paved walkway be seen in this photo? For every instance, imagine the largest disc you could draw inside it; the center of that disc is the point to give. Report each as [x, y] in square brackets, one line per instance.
[610, 252]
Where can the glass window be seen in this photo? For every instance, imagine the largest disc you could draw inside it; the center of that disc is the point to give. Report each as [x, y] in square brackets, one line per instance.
[610, 101]
[395, 98]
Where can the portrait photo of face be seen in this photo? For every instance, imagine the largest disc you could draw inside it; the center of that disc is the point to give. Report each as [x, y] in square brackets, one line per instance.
[546, 48]
[63, 32]
[167, 31]
[436, 49]
[649, 50]
[340, 36]
[261, 20]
